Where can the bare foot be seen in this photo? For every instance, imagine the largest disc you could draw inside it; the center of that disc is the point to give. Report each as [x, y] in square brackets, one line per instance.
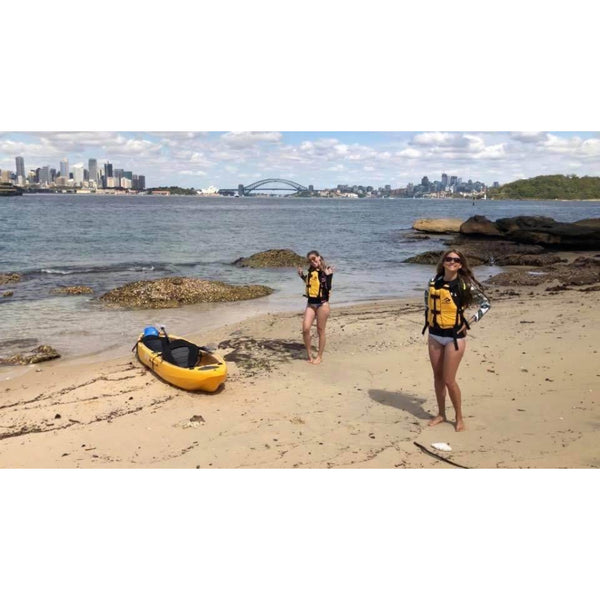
[317, 360]
[460, 425]
[436, 420]
[310, 359]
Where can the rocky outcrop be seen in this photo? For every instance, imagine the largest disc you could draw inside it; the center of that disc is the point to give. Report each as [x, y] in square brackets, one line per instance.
[438, 225]
[271, 259]
[539, 230]
[492, 251]
[425, 258]
[9, 278]
[178, 291]
[433, 258]
[530, 260]
[74, 290]
[39, 354]
[479, 225]
[582, 271]
[7, 294]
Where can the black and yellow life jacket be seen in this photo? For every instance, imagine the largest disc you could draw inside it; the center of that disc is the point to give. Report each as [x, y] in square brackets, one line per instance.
[444, 312]
[318, 285]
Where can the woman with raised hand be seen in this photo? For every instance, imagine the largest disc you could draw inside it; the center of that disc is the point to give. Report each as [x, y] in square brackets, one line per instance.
[453, 290]
[318, 286]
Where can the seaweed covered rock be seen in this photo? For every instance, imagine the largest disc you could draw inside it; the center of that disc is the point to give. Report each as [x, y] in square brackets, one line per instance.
[172, 292]
[271, 259]
[530, 260]
[39, 354]
[74, 290]
[582, 271]
[9, 278]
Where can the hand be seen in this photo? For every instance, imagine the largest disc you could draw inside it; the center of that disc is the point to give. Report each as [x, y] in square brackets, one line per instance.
[301, 271]
[463, 329]
[329, 270]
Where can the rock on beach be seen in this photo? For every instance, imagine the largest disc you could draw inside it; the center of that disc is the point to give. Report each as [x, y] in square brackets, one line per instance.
[39, 354]
[9, 278]
[172, 292]
[74, 290]
[271, 259]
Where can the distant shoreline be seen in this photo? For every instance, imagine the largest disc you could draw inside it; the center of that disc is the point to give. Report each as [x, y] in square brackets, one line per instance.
[262, 197]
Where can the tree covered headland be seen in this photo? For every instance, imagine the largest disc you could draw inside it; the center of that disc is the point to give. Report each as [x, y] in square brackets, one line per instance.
[175, 190]
[550, 187]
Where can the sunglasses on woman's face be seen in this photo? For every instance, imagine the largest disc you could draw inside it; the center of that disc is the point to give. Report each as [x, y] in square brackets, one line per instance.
[452, 259]
[313, 258]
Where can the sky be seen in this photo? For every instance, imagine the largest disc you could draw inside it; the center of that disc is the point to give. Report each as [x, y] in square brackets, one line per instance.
[323, 159]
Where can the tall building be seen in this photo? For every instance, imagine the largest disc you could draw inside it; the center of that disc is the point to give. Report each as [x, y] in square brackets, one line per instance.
[78, 174]
[142, 182]
[64, 168]
[44, 176]
[93, 169]
[444, 179]
[20, 166]
[108, 170]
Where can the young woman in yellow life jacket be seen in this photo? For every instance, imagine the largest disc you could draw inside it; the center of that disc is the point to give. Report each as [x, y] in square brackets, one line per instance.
[452, 290]
[318, 285]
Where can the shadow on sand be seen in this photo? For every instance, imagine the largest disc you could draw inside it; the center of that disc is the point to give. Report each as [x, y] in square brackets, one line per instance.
[402, 401]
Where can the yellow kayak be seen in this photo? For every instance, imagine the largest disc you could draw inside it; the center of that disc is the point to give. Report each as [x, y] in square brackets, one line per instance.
[181, 363]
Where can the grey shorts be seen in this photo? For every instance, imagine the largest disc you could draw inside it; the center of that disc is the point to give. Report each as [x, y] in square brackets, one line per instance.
[444, 341]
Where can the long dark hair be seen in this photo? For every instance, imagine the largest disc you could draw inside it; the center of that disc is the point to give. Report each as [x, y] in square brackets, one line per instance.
[316, 253]
[465, 275]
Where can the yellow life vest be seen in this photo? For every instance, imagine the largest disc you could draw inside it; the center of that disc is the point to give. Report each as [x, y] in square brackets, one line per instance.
[443, 306]
[313, 284]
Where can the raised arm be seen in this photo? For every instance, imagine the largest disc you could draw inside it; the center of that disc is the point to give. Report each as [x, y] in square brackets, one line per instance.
[480, 302]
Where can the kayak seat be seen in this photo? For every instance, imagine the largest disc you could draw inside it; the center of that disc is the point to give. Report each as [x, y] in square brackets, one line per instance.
[181, 353]
[154, 342]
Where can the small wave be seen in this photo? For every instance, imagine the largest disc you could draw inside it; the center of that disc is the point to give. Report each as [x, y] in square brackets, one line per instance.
[98, 269]
[56, 272]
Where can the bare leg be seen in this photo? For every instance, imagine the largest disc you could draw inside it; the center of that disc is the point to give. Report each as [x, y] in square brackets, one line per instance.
[322, 315]
[452, 358]
[307, 321]
[436, 356]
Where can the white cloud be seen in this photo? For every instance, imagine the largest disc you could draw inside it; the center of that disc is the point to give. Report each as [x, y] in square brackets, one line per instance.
[528, 137]
[409, 153]
[496, 151]
[189, 172]
[452, 140]
[241, 139]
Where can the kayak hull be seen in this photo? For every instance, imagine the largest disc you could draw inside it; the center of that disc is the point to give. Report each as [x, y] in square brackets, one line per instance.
[206, 376]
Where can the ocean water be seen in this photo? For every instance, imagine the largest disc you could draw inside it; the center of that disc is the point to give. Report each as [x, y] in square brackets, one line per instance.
[106, 241]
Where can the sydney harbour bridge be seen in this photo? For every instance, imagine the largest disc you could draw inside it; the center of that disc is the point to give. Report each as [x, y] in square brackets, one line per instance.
[266, 185]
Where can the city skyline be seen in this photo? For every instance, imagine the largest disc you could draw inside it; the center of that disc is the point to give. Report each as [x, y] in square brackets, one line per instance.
[322, 159]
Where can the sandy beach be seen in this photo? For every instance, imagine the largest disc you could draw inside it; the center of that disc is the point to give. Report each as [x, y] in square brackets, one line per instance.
[529, 382]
